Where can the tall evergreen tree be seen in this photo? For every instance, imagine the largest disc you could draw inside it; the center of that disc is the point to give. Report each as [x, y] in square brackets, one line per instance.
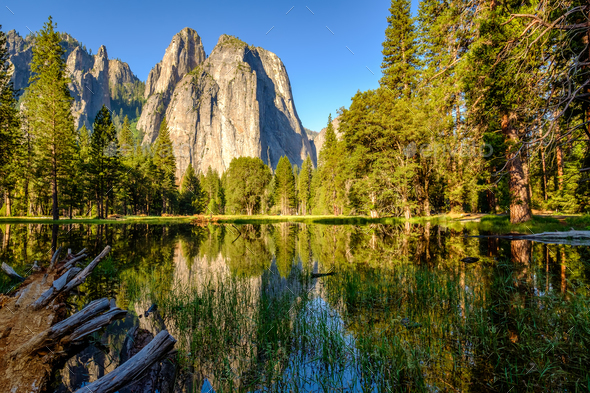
[400, 57]
[305, 185]
[165, 163]
[125, 137]
[104, 160]
[330, 193]
[192, 198]
[495, 90]
[10, 133]
[48, 109]
[284, 188]
[9, 120]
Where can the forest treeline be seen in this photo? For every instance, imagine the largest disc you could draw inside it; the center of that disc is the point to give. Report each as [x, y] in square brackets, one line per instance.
[483, 106]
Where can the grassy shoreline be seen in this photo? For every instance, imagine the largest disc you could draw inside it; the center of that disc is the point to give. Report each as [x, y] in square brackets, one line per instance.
[492, 223]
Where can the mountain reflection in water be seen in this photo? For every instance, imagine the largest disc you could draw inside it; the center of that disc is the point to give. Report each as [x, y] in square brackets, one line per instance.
[401, 312]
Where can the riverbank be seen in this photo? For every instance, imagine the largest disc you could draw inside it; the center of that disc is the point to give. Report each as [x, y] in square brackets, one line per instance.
[493, 223]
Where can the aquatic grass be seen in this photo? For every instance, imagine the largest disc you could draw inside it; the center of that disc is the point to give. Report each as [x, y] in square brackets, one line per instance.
[401, 313]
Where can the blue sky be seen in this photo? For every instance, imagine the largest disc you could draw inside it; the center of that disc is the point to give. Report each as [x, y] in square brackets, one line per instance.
[310, 37]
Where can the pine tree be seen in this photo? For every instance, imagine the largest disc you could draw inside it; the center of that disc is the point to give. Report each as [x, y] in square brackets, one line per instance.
[330, 195]
[165, 163]
[191, 195]
[10, 133]
[284, 186]
[104, 160]
[9, 120]
[48, 109]
[305, 185]
[127, 151]
[400, 57]
[126, 142]
[495, 90]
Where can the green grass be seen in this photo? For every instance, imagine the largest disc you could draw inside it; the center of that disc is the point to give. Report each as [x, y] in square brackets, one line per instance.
[126, 220]
[501, 225]
[475, 331]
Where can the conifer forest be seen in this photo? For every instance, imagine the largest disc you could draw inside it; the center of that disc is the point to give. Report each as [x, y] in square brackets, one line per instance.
[483, 106]
[179, 230]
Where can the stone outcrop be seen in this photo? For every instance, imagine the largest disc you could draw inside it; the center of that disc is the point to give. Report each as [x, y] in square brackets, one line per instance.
[320, 138]
[89, 84]
[184, 53]
[120, 73]
[237, 103]
[20, 50]
[91, 76]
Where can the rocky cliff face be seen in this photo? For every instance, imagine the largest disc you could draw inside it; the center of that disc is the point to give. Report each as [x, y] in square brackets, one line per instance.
[184, 53]
[89, 84]
[91, 76]
[237, 103]
[120, 73]
[20, 50]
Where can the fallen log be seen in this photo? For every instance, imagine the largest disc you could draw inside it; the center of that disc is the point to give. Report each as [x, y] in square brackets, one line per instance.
[70, 263]
[79, 253]
[135, 367]
[78, 279]
[54, 258]
[543, 236]
[10, 272]
[34, 342]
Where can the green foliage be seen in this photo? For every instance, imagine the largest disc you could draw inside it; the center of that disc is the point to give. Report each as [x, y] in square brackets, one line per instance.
[400, 55]
[164, 164]
[305, 191]
[212, 187]
[284, 186]
[127, 99]
[244, 183]
[328, 183]
[48, 112]
[104, 163]
[192, 197]
[11, 139]
[9, 119]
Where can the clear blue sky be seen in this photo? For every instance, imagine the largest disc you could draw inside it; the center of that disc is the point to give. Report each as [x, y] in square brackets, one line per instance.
[324, 74]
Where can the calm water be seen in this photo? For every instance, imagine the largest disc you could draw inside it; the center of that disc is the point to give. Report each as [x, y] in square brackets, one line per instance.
[401, 312]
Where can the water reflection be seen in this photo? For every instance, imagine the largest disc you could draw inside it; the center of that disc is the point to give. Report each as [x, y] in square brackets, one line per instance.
[402, 311]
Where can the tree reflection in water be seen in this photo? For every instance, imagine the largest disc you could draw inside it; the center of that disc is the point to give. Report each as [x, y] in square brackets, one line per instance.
[401, 313]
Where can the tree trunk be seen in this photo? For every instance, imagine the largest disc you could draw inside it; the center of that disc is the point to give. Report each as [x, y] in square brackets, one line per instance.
[7, 202]
[544, 169]
[559, 154]
[520, 209]
[426, 205]
[55, 211]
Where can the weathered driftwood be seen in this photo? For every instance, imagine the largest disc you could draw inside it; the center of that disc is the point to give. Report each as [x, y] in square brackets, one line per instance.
[10, 272]
[33, 344]
[94, 324]
[54, 334]
[71, 283]
[54, 258]
[79, 253]
[577, 237]
[29, 356]
[71, 262]
[131, 370]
